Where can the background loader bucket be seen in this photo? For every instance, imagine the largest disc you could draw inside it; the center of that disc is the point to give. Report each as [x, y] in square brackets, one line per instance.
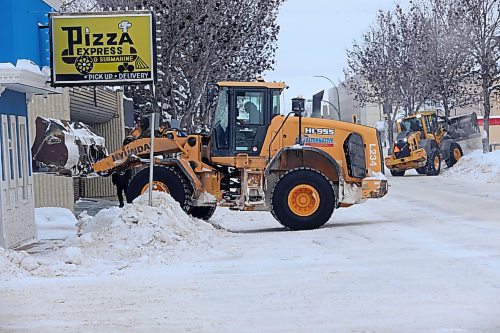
[465, 130]
[66, 148]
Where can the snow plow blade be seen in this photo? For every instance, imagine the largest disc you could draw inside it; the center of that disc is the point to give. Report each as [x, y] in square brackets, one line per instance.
[66, 148]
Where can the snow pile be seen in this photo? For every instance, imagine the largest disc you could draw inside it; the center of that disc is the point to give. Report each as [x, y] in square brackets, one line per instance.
[55, 223]
[138, 232]
[477, 166]
[114, 239]
[15, 264]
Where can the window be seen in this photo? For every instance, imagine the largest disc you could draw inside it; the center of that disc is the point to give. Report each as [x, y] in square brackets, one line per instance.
[4, 146]
[355, 156]
[221, 121]
[250, 106]
[411, 124]
[249, 115]
[14, 172]
[24, 157]
[276, 103]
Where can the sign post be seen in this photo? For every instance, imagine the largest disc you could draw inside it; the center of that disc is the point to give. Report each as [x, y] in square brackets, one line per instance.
[105, 48]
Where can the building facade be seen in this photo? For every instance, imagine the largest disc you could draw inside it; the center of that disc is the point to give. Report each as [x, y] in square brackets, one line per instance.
[23, 55]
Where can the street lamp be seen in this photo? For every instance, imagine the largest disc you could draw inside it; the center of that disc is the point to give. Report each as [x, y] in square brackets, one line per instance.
[336, 108]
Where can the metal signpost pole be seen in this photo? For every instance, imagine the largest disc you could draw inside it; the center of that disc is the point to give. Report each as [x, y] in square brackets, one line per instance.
[152, 127]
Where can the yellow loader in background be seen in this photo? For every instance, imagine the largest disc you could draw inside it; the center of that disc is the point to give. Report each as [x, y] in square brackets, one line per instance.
[424, 141]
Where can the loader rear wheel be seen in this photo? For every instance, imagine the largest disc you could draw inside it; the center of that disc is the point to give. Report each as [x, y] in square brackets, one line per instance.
[203, 213]
[166, 179]
[303, 199]
[433, 166]
[396, 173]
[455, 154]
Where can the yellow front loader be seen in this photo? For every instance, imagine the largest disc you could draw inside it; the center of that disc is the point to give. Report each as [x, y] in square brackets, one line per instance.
[424, 141]
[256, 159]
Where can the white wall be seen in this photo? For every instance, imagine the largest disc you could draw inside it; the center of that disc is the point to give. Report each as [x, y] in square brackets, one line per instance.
[17, 215]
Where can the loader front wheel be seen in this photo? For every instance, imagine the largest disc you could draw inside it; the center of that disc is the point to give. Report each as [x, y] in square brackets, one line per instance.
[203, 213]
[421, 170]
[303, 199]
[166, 179]
[433, 166]
[455, 154]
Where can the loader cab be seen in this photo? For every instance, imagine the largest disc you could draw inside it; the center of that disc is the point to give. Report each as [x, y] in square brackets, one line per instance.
[242, 115]
[410, 124]
[424, 122]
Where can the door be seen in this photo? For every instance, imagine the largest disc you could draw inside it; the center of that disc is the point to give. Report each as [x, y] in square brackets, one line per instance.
[250, 120]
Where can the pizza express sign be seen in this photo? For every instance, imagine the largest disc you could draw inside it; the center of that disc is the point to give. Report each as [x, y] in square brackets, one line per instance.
[102, 48]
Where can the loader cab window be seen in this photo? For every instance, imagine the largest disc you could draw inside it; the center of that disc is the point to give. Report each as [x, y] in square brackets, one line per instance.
[411, 124]
[431, 123]
[221, 121]
[250, 106]
[276, 103]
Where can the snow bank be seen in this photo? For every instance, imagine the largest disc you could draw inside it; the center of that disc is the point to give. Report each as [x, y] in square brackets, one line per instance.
[477, 166]
[138, 232]
[114, 239]
[55, 223]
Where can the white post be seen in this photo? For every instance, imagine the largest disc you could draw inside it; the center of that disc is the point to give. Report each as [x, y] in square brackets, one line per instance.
[152, 128]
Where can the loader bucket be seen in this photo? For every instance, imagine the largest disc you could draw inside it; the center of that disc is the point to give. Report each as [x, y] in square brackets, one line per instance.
[464, 129]
[66, 148]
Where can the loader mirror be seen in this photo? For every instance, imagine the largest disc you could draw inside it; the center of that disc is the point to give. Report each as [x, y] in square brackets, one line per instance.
[298, 105]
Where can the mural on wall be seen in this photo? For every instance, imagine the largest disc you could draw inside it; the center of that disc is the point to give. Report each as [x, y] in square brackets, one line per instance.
[66, 148]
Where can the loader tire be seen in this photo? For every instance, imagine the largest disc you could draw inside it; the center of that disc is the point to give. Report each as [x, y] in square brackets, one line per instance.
[167, 179]
[396, 173]
[433, 166]
[303, 199]
[203, 213]
[422, 170]
[456, 153]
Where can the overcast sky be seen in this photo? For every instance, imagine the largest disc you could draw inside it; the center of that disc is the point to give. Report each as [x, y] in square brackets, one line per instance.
[314, 37]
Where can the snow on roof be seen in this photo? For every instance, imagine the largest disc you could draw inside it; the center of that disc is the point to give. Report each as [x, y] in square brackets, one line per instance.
[55, 4]
[26, 77]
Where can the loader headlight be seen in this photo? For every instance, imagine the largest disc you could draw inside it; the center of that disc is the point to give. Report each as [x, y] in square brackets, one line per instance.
[405, 140]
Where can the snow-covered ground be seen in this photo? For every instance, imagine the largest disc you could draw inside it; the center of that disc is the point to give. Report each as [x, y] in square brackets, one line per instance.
[426, 258]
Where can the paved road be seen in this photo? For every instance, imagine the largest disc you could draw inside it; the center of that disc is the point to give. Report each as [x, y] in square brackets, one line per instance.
[424, 259]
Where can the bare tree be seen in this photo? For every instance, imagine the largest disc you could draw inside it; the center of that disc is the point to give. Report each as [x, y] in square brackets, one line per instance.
[449, 63]
[371, 73]
[483, 20]
[411, 45]
[205, 41]
[79, 5]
